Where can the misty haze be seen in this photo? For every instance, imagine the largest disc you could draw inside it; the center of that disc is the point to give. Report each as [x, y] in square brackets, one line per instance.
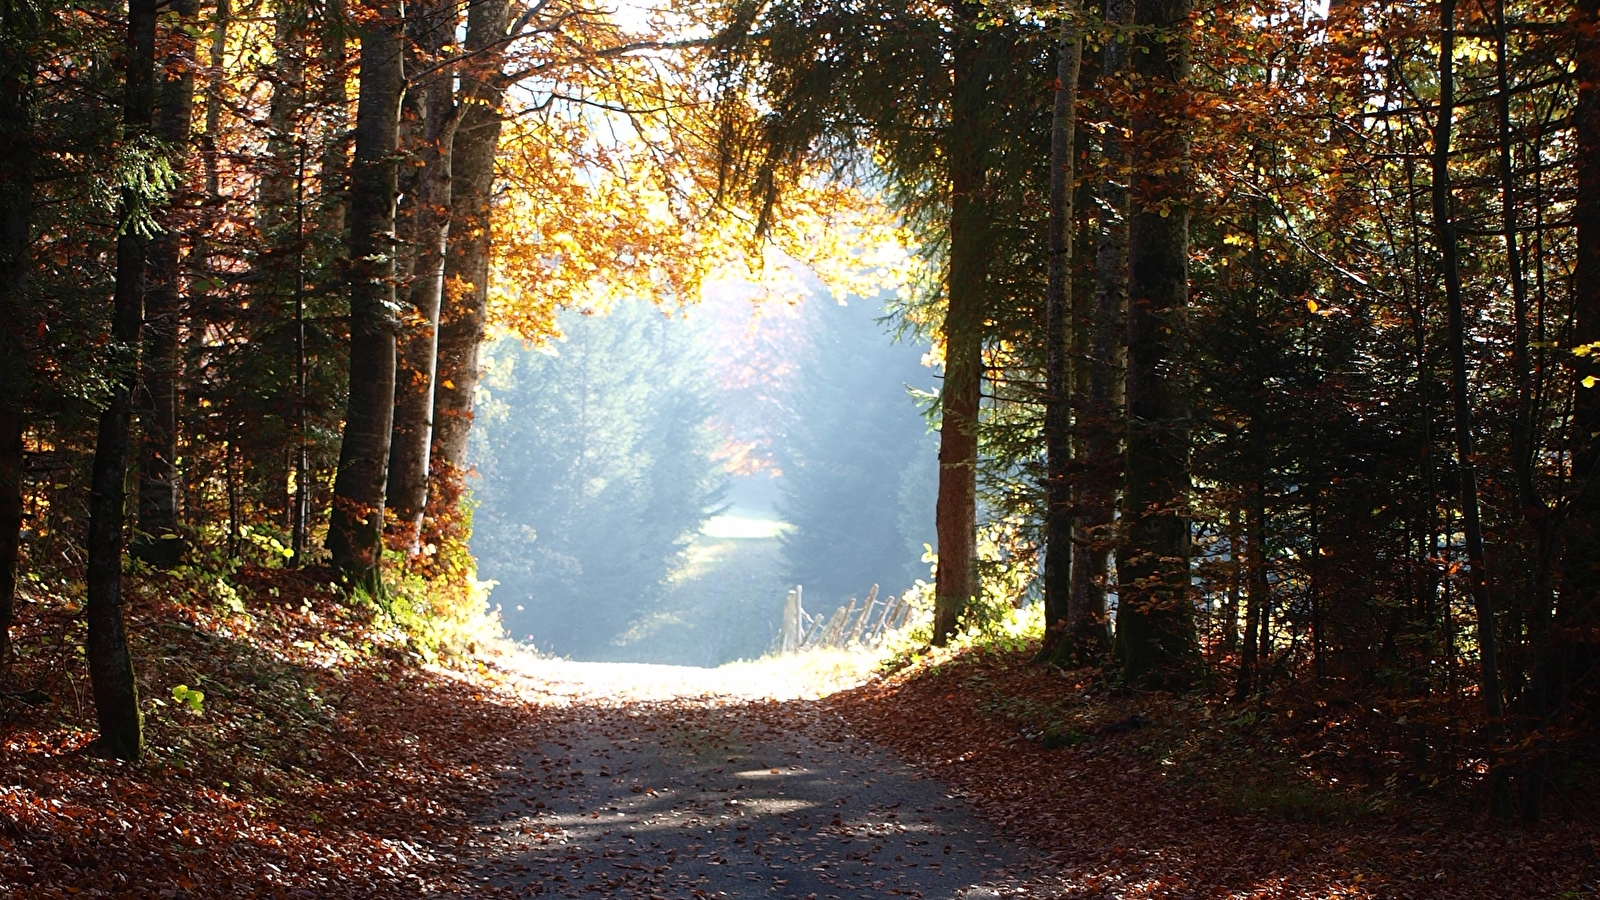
[651, 486]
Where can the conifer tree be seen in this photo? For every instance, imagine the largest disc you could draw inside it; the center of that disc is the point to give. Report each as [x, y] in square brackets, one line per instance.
[855, 459]
[1061, 337]
[158, 540]
[596, 470]
[1155, 641]
[18, 27]
[116, 694]
[355, 535]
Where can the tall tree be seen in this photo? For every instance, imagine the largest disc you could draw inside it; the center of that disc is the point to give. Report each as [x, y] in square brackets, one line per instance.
[432, 28]
[1578, 609]
[956, 578]
[355, 534]
[1060, 333]
[158, 541]
[1155, 641]
[464, 307]
[116, 694]
[335, 169]
[1466, 460]
[18, 23]
[1098, 415]
[915, 94]
[597, 469]
[855, 459]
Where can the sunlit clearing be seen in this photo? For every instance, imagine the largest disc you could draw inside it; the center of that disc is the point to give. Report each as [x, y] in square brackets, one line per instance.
[812, 673]
[808, 675]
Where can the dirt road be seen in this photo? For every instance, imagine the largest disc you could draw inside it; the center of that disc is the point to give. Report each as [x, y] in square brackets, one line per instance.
[670, 782]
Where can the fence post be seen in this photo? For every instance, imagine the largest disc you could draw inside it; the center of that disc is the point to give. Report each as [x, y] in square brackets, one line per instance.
[789, 639]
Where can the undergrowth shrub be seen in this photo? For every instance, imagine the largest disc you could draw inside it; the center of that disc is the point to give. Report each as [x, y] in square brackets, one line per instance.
[441, 610]
[992, 622]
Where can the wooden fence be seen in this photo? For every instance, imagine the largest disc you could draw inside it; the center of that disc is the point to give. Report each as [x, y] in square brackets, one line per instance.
[857, 624]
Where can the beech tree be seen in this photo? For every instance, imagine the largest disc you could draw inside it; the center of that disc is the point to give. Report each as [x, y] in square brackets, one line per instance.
[465, 292]
[1101, 336]
[425, 234]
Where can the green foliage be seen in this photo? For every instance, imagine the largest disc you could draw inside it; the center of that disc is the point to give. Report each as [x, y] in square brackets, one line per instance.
[190, 697]
[596, 462]
[1290, 798]
[989, 626]
[859, 464]
[138, 185]
[438, 614]
[1056, 737]
[904, 647]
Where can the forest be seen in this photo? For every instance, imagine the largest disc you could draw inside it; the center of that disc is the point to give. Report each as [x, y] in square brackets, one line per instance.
[1238, 365]
[638, 496]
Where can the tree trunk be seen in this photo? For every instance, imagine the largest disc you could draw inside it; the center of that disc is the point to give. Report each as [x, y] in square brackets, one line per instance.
[158, 541]
[956, 580]
[1155, 641]
[463, 311]
[430, 220]
[16, 214]
[280, 217]
[275, 211]
[1574, 649]
[116, 693]
[215, 84]
[1534, 509]
[1100, 423]
[1256, 594]
[355, 533]
[334, 174]
[1062, 337]
[1580, 595]
[1229, 643]
[1477, 573]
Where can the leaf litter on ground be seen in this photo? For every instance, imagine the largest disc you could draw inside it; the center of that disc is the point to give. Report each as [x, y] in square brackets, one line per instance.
[312, 754]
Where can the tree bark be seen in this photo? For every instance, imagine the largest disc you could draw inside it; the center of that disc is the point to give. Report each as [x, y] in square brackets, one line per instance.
[275, 213]
[1062, 337]
[116, 693]
[430, 225]
[1256, 596]
[1100, 423]
[464, 305]
[158, 540]
[1574, 648]
[355, 532]
[16, 218]
[956, 579]
[1155, 642]
[334, 171]
[215, 84]
[1534, 509]
[280, 217]
[1477, 570]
